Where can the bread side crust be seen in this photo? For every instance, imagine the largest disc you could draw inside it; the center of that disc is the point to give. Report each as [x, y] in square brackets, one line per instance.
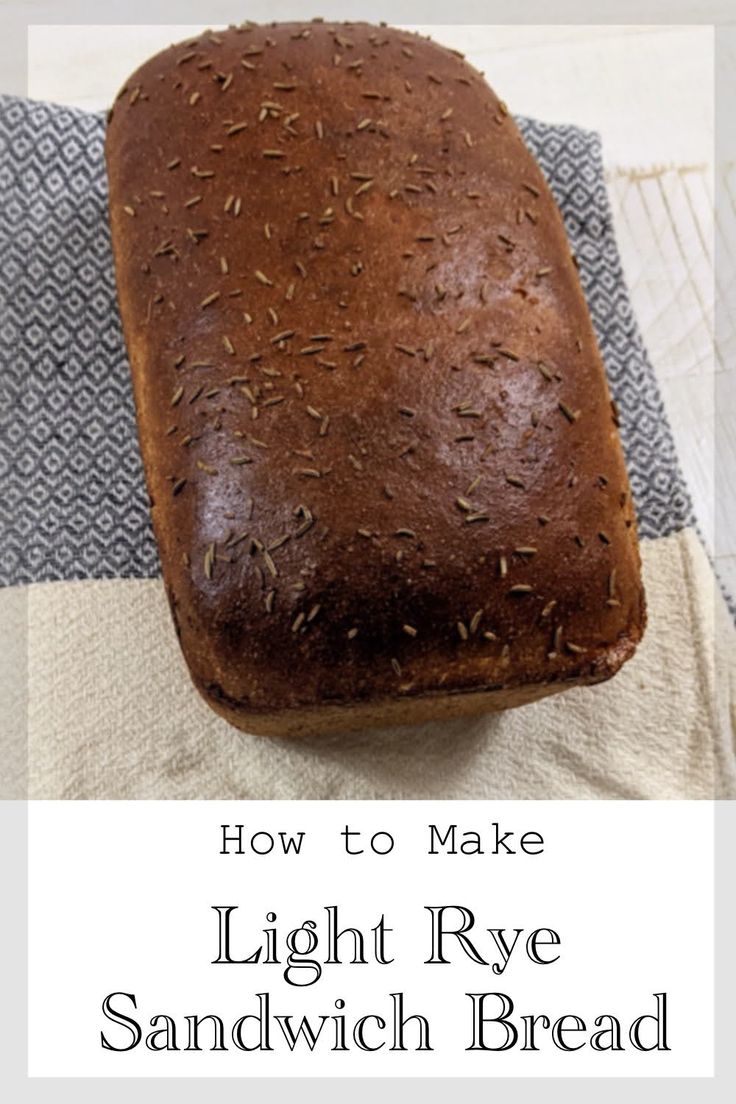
[407, 710]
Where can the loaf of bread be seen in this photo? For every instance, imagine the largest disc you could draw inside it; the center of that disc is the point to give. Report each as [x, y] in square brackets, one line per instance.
[383, 462]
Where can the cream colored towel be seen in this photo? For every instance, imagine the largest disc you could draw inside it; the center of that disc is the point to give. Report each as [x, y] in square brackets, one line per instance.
[112, 713]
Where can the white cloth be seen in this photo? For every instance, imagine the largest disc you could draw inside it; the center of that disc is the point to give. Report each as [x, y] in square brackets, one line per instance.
[112, 713]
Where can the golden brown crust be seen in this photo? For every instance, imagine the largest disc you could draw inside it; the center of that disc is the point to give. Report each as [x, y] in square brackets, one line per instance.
[384, 466]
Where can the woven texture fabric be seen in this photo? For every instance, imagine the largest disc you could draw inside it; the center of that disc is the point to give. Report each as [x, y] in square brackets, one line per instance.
[112, 714]
[72, 498]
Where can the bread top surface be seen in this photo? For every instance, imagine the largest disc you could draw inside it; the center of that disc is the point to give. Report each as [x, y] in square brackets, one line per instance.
[376, 430]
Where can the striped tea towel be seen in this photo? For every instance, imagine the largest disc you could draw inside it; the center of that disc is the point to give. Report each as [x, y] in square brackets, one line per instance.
[97, 702]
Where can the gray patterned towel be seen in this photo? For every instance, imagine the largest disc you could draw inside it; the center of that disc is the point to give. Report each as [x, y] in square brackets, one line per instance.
[73, 514]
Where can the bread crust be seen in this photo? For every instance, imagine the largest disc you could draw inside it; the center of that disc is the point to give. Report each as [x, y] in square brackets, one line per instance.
[384, 466]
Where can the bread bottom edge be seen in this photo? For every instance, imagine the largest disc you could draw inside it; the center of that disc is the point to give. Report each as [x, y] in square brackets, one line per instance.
[332, 717]
[316, 720]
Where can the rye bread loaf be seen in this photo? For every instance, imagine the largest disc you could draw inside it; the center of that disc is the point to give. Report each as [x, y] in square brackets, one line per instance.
[383, 462]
